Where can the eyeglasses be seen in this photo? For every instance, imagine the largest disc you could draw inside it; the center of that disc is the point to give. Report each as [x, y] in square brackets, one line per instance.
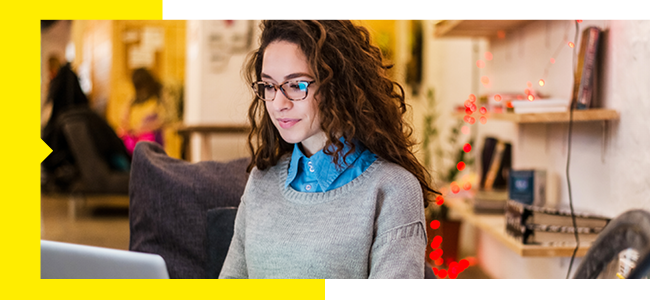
[293, 90]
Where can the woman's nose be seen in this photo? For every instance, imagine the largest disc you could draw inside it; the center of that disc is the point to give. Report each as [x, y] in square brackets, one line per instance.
[281, 102]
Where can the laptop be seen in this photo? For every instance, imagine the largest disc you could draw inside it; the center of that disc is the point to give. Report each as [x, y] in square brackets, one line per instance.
[72, 261]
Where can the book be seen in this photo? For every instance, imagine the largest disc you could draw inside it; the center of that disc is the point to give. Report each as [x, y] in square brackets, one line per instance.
[584, 83]
[550, 235]
[493, 201]
[528, 186]
[495, 164]
[531, 214]
[540, 109]
[555, 102]
[541, 105]
[540, 225]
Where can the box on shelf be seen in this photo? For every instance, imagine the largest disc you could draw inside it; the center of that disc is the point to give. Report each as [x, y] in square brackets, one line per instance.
[528, 186]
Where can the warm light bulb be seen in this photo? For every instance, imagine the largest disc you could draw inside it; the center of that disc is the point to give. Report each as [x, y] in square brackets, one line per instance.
[531, 97]
[541, 82]
[483, 120]
[488, 55]
[497, 98]
[467, 186]
[571, 44]
[579, 21]
[480, 64]
[483, 110]
[472, 97]
[485, 80]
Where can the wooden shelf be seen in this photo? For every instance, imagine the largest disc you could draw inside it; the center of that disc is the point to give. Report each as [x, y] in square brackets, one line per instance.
[595, 114]
[495, 225]
[476, 28]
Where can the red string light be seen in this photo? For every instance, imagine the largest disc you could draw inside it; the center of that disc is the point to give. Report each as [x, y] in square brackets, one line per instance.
[541, 82]
[497, 98]
[483, 120]
[435, 224]
[571, 44]
[467, 148]
[460, 166]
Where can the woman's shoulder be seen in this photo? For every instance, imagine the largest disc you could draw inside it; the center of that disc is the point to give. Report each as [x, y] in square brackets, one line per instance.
[393, 174]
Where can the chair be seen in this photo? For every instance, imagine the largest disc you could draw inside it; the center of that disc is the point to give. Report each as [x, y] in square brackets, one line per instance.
[629, 230]
[94, 146]
[100, 163]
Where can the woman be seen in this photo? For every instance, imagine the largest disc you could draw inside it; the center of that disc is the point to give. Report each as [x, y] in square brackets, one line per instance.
[334, 191]
[144, 116]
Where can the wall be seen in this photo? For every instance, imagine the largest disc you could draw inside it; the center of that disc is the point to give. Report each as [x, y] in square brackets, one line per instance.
[608, 162]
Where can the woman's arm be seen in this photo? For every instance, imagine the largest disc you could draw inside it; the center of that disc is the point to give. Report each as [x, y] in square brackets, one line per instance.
[399, 247]
[235, 264]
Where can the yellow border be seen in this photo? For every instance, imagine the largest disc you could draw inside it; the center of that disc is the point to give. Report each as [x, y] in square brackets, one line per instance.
[22, 151]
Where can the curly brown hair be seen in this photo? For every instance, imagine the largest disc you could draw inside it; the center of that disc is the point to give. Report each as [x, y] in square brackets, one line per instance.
[357, 99]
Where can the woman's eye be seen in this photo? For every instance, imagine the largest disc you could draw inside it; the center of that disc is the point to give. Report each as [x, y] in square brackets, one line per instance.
[298, 86]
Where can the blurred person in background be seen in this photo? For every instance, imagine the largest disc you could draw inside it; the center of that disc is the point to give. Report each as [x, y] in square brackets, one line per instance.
[69, 104]
[143, 117]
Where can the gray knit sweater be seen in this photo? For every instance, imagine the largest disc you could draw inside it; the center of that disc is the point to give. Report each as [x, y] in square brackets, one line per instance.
[372, 227]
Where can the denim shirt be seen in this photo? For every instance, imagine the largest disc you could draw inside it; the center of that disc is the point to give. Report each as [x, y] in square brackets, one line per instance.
[318, 173]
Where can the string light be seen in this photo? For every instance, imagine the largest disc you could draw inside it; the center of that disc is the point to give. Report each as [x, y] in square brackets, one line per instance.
[467, 186]
[460, 166]
[467, 148]
[440, 200]
[497, 98]
[488, 55]
[531, 97]
[435, 224]
[483, 110]
[483, 120]
[571, 44]
[552, 60]
[480, 64]
[541, 82]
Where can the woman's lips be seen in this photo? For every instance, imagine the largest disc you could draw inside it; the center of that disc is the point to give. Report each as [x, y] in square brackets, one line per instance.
[287, 123]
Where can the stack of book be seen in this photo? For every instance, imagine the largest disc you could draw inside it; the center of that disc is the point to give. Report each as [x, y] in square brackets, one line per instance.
[541, 106]
[535, 225]
[496, 161]
[490, 202]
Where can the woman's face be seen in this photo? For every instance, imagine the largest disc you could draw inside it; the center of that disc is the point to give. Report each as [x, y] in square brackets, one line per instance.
[297, 121]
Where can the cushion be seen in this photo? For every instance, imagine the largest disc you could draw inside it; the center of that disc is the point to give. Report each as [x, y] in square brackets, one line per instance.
[169, 202]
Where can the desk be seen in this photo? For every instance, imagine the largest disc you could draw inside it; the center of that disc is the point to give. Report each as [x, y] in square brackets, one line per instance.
[495, 225]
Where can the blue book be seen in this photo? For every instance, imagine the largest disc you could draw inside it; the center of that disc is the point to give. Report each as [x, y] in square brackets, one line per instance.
[527, 186]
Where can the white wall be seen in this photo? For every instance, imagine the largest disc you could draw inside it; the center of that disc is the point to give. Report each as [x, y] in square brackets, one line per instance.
[216, 93]
[609, 165]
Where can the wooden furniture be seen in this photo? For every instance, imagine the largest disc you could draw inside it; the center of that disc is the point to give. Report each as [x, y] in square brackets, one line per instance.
[205, 131]
[594, 114]
[477, 28]
[495, 225]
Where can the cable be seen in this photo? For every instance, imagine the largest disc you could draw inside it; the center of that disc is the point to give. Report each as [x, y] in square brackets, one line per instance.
[568, 159]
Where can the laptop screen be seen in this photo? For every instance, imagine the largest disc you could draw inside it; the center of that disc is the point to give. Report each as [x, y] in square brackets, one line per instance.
[73, 261]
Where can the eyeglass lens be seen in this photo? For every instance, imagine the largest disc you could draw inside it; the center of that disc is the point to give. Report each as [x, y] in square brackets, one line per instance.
[294, 90]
